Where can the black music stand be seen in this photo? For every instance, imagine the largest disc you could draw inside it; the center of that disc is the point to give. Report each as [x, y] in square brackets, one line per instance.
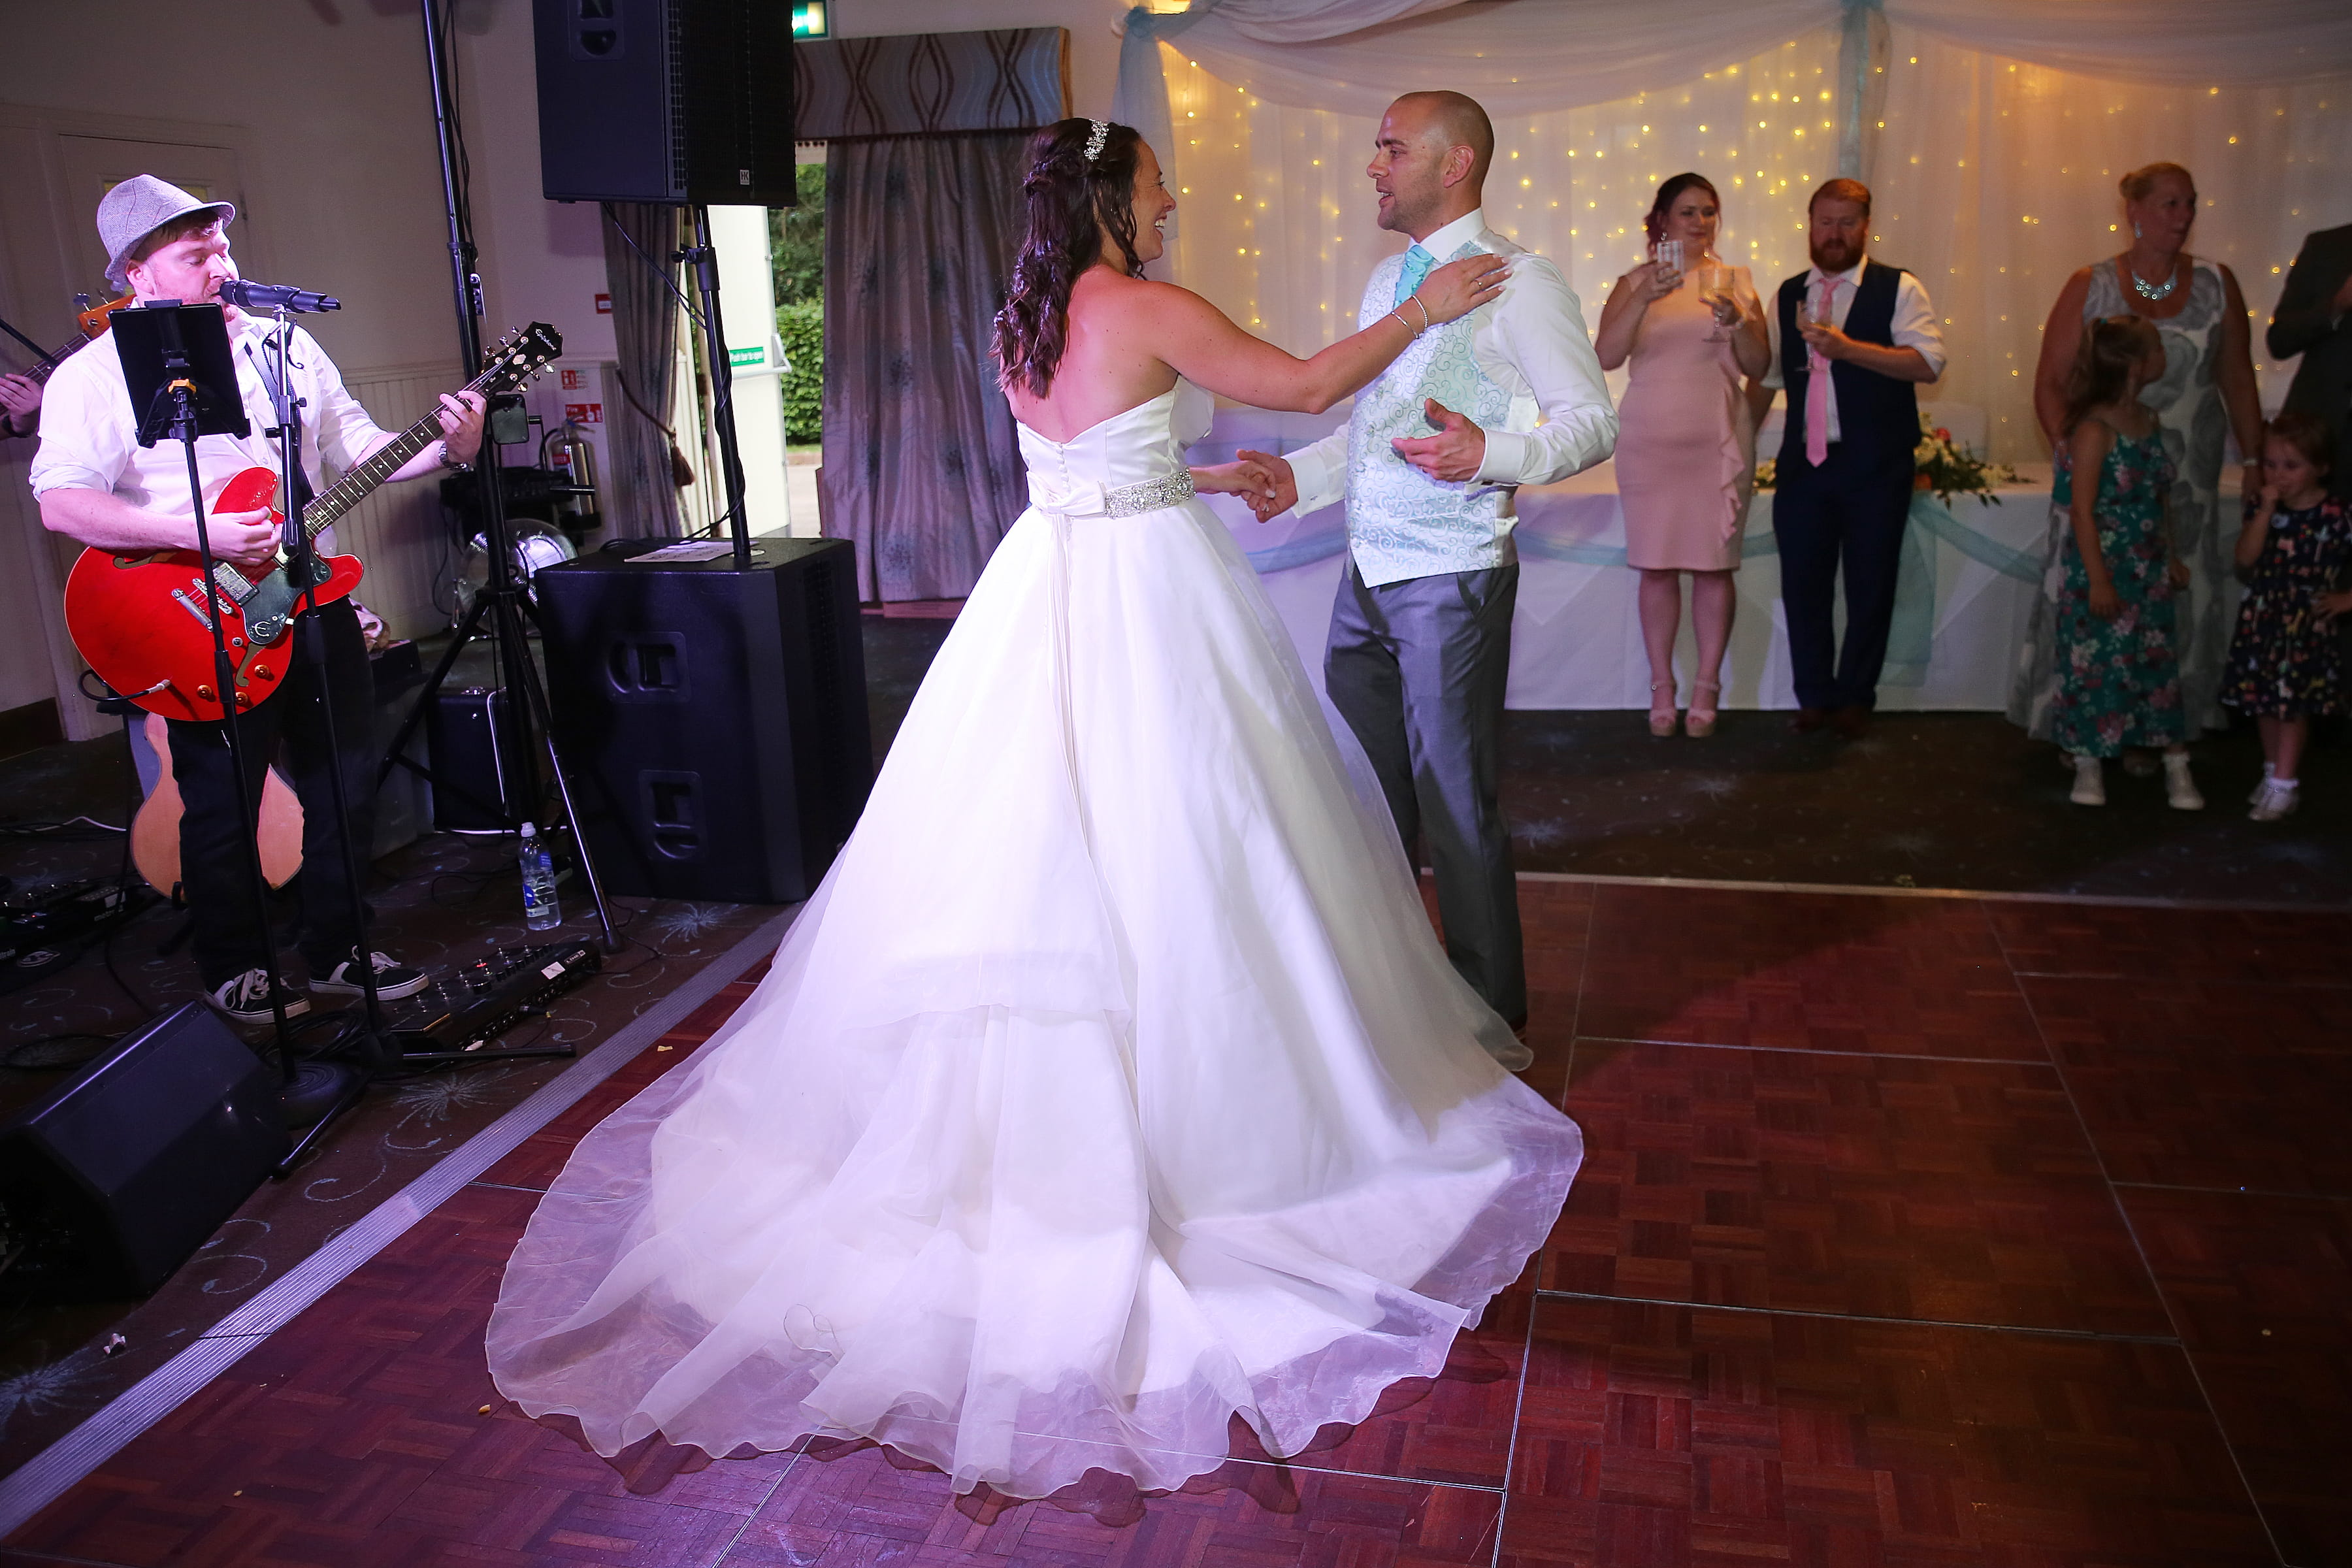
[182, 384]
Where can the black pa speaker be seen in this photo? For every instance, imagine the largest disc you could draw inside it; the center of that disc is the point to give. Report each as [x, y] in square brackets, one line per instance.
[721, 716]
[665, 101]
[123, 1171]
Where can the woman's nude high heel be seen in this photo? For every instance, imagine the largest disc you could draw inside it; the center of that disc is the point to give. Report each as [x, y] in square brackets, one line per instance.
[1699, 722]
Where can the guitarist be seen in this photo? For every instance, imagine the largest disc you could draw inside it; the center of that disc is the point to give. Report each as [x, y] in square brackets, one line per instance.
[98, 486]
[20, 405]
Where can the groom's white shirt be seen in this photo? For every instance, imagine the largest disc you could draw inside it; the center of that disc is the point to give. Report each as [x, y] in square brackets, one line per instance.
[1531, 343]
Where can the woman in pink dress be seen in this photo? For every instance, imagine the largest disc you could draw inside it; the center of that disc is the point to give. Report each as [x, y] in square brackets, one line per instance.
[1687, 445]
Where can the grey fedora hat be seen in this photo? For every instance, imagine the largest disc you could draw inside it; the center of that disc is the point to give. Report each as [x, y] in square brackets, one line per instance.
[137, 208]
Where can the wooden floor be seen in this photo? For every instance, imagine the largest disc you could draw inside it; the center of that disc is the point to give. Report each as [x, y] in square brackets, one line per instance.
[1912, 1232]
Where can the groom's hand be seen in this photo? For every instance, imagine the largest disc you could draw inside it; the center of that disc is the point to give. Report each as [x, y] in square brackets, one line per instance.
[1282, 493]
[1453, 453]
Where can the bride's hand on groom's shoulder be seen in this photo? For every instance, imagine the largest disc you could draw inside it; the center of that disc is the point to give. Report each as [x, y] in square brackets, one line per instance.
[1264, 481]
[1459, 288]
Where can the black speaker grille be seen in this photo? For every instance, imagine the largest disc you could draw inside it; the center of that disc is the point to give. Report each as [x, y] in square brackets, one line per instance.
[827, 689]
[674, 16]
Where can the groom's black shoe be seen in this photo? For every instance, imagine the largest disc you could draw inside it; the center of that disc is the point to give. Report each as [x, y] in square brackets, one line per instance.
[1809, 720]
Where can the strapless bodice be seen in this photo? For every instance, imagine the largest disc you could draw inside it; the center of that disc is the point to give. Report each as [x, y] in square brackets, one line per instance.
[1139, 444]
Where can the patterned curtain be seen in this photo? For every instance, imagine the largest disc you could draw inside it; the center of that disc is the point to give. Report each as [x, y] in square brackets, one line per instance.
[638, 238]
[921, 468]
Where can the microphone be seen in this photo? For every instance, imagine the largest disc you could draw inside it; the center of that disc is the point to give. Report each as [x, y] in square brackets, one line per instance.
[250, 296]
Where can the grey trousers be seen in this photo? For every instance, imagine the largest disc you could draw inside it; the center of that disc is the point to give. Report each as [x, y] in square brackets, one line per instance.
[1417, 669]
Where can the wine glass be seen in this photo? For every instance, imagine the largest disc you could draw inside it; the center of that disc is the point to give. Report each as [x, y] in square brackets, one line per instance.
[1668, 255]
[1713, 291]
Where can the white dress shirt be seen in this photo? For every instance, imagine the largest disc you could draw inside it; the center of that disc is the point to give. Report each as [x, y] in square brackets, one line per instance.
[90, 432]
[1531, 340]
[1913, 326]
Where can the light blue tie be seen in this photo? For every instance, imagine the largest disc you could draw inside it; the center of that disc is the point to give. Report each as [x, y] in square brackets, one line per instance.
[1417, 263]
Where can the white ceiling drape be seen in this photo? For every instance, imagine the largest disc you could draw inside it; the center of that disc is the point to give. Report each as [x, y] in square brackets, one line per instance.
[1351, 57]
[1995, 177]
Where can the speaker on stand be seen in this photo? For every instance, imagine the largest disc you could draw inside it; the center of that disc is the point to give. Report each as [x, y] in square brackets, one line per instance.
[672, 101]
[719, 714]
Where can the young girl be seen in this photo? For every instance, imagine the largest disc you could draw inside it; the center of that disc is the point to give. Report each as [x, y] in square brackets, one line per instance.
[2118, 677]
[2283, 661]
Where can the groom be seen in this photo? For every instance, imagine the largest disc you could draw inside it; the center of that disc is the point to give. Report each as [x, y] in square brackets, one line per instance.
[1421, 637]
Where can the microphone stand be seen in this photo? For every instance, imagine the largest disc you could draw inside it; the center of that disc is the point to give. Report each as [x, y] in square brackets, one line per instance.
[178, 411]
[378, 1049]
[372, 1038]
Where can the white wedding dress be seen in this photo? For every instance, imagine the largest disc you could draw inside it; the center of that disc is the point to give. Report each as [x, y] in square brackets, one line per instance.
[1112, 1083]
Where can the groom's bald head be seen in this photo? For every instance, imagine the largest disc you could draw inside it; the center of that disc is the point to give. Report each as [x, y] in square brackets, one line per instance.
[1429, 162]
[1457, 118]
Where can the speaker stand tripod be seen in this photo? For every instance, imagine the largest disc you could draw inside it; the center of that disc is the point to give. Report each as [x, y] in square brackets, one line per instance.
[502, 595]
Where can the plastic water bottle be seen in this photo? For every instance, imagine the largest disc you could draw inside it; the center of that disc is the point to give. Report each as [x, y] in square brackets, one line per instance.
[540, 911]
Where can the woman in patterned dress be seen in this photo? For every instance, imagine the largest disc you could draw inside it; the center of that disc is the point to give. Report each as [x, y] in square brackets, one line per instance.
[2284, 665]
[2207, 392]
[2118, 680]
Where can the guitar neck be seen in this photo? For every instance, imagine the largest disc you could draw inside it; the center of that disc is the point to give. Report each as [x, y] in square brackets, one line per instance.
[48, 364]
[381, 464]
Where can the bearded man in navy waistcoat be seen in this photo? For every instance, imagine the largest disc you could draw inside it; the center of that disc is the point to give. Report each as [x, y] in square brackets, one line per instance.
[1852, 339]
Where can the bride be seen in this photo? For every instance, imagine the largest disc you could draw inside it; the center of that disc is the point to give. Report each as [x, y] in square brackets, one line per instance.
[1113, 1083]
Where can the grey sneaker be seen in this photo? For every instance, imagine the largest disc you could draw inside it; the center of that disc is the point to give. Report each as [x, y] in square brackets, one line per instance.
[394, 979]
[245, 998]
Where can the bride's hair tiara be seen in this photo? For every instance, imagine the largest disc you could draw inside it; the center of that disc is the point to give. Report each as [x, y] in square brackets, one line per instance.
[1095, 139]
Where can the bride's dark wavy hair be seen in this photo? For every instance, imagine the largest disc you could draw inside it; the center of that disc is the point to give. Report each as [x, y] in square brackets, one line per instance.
[1070, 203]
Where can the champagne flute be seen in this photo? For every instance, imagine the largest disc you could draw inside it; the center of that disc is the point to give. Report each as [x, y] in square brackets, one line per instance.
[1714, 290]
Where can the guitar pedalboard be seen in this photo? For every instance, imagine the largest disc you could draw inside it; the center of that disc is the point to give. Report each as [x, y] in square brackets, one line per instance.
[457, 1019]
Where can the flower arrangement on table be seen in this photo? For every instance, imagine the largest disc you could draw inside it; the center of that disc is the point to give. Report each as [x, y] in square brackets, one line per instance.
[1950, 468]
[1943, 465]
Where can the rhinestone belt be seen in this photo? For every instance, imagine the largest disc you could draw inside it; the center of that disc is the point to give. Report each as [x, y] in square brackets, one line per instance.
[1149, 495]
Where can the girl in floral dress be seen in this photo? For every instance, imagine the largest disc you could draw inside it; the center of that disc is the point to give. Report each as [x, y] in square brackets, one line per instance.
[2118, 672]
[2284, 662]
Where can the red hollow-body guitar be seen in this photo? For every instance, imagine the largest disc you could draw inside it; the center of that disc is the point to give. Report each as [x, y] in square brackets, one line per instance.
[143, 622]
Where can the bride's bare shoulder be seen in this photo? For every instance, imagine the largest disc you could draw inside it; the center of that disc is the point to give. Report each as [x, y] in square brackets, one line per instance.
[1103, 294]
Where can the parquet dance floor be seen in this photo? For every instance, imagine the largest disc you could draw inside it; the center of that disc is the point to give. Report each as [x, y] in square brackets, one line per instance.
[1913, 1231]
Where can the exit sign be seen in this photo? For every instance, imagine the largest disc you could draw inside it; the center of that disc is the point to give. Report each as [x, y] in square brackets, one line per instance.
[808, 19]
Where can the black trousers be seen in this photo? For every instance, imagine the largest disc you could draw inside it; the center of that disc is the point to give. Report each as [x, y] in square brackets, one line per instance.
[292, 724]
[1849, 513]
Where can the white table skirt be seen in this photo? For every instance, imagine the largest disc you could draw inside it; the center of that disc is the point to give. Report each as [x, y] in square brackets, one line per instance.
[1968, 579]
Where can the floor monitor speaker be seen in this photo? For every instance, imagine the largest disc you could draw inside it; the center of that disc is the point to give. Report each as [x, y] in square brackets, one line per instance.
[718, 714]
[665, 101]
[112, 1181]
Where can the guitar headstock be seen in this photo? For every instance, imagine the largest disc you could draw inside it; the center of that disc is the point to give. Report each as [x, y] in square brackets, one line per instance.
[522, 353]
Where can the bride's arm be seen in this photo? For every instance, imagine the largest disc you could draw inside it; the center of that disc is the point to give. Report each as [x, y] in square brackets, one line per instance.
[1203, 345]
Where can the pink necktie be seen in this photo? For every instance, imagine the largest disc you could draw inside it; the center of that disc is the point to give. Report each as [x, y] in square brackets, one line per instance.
[1817, 387]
